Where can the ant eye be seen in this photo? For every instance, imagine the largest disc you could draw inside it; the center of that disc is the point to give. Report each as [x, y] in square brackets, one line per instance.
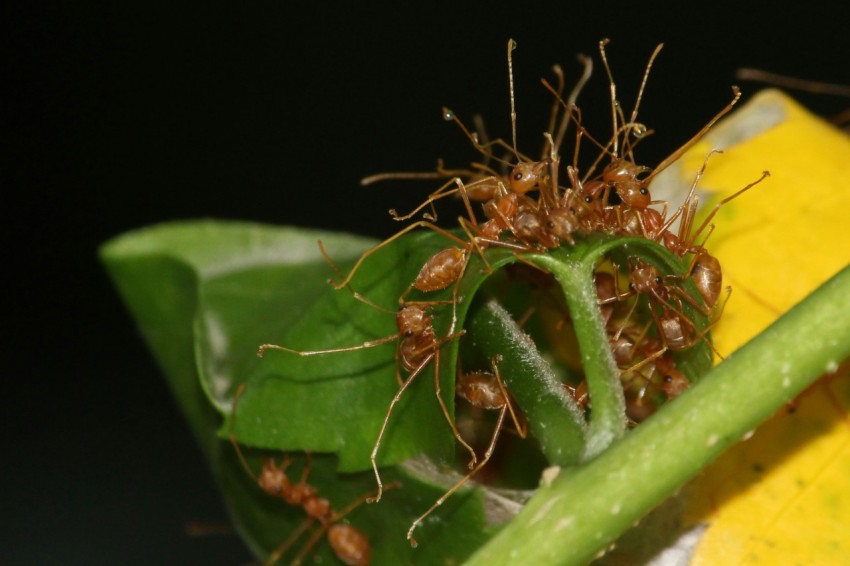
[668, 379]
[632, 286]
[659, 280]
[550, 224]
[408, 333]
[644, 191]
[518, 176]
[588, 199]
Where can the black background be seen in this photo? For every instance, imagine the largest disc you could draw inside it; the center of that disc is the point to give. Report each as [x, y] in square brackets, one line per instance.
[115, 117]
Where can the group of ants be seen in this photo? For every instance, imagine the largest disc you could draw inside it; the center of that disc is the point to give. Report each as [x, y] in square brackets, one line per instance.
[614, 201]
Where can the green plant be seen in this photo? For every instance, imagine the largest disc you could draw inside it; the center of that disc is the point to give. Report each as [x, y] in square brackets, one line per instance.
[206, 294]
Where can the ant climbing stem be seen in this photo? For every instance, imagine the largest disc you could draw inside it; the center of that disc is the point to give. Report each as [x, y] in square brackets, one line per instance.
[348, 543]
[483, 390]
[704, 269]
[666, 302]
[418, 348]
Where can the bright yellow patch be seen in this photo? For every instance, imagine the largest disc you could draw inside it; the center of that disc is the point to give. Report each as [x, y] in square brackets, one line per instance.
[783, 497]
[781, 239]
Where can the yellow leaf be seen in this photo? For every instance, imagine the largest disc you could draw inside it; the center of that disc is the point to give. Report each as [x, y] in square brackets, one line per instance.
[782, 497]
[784, 237]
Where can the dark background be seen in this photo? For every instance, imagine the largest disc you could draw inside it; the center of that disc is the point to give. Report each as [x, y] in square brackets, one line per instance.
[116, 117]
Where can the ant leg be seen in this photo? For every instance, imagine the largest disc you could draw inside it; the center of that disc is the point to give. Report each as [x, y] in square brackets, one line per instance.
[708, 218]
[400, 233]
[651, 358]
[673, 157]
[236, 397]
[440, 193]
[374, 456]
[615, 273]
[449, 419]
[291, 539]
[308, 467]
[521, 429]
[370, 344]
[311, 542]
[496, 430]
[338, 273]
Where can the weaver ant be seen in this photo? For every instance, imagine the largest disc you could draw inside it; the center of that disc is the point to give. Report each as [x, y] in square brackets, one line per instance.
[347, 542]
[670, 380]
[619, 197]
[704, 269]
[507, 207]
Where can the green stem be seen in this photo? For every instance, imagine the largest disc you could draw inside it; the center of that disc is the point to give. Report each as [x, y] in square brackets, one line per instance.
[584, 510]
[553, 416]
[574, 272]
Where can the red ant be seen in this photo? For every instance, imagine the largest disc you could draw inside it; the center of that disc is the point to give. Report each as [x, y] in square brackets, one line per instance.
[628, 181]
[507, 207]
[484, 390]
[675, 329]
[417, 347]
[348, 543]
[671, 381]
[704, 269]
[482, 183]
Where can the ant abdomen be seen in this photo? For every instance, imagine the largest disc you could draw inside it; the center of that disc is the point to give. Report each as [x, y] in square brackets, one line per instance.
[350, 545]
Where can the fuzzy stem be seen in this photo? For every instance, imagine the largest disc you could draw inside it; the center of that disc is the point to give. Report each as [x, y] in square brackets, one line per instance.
[574, 272]
[554, 417]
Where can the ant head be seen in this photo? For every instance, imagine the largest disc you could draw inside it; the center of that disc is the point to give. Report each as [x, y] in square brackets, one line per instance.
[527, 175]
[674, 383]
[562, 222]
[273, 479]
[620, 170]
[644, 277]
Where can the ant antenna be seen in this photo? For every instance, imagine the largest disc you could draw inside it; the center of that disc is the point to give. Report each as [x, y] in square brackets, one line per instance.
[670, 159]
[511, 47]
[643, 82]
[587, 63]
[613, 87]
[817, 87]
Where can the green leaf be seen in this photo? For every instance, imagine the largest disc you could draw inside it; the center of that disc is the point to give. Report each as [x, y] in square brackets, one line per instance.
[207, 294]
